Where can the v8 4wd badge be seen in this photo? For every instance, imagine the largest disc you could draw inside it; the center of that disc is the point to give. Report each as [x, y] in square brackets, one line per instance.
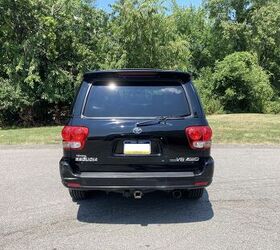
[183, 159]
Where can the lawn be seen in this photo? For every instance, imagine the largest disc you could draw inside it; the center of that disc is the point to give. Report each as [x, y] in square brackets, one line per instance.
[246, 128]
[38, 135]
[233, 128]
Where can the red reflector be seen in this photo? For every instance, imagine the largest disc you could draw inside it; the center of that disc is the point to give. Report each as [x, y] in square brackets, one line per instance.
[73, 184]
[201, 183]
[74, 137]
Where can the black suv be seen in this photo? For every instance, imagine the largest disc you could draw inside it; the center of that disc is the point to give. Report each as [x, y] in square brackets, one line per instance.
[135, 131]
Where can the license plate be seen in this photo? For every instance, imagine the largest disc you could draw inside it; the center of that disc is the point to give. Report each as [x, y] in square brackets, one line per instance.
[137, 148]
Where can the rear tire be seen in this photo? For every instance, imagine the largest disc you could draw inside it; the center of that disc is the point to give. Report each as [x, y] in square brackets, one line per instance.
[77, 195]
[195, 194]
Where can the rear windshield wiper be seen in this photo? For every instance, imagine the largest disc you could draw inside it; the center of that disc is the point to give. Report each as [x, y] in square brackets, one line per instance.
[159, 120]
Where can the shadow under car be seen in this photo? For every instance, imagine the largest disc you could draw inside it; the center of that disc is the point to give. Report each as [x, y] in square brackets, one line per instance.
[154, 208]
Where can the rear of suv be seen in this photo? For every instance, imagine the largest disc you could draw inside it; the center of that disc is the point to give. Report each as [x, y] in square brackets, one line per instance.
[136, 131]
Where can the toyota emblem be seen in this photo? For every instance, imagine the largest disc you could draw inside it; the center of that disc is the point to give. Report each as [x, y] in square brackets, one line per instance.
[137, 130]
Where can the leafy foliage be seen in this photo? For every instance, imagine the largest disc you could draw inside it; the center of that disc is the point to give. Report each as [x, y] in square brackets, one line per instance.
[142, 36]
[241, 84]
[46, 46]
[266, 39]
[237, 84]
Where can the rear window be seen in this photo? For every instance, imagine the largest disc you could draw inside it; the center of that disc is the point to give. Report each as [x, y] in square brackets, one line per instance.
[136, 100]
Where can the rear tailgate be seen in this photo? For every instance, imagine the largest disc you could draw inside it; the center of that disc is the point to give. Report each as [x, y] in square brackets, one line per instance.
[112, 111]
[169, 147]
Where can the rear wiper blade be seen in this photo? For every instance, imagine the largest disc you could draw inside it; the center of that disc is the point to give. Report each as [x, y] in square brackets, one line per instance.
[159, 120]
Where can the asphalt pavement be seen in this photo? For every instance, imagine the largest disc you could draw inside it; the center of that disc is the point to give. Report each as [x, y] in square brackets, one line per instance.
[240, 210]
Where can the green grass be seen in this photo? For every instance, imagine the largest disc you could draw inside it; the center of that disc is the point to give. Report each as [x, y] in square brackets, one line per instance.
[38, 135]
[245, 128]
[233, 128]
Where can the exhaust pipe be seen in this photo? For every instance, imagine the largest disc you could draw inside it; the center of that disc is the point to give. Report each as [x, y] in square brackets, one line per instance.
[137, 195]
[177, 194]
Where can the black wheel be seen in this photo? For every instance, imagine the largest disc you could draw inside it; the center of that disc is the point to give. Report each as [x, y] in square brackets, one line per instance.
[195, 193]
[77, 195]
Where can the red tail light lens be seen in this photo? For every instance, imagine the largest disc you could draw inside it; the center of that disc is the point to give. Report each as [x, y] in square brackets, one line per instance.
[194, 133]
[74, 137]
[199, 137]
[201, 183]
[73, 184]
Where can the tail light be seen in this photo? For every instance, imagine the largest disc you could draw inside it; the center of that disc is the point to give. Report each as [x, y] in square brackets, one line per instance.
[199, 137]
[74, 137]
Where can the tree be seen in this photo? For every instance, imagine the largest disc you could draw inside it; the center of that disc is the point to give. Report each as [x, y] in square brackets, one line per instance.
[194, 28]
[240, 84]
[232, 24]
[142, 36]
[266, 39]
[46, 46]
[247, 25]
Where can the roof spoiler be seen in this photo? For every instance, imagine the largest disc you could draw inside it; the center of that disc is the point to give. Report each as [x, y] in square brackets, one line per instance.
[136, 73]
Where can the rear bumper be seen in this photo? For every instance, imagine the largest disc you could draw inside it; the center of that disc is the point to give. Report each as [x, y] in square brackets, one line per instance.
[137, 180]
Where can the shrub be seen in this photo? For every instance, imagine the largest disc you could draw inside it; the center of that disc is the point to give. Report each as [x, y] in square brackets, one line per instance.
[273, 107]
[10, 102]
[236, 84]
[204, 87]
[240, 84]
